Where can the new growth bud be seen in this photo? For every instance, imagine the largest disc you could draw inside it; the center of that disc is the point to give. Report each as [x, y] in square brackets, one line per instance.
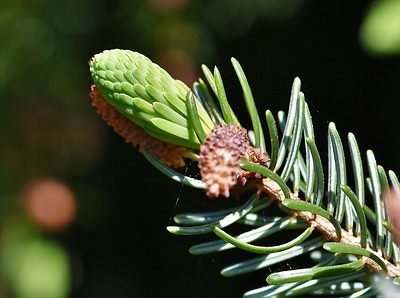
[147, 95]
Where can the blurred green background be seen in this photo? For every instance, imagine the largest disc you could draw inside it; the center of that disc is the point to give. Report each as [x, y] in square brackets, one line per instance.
[82, 214]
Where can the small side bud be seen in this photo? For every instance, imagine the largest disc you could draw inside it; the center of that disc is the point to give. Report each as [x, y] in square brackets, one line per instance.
[220, 155]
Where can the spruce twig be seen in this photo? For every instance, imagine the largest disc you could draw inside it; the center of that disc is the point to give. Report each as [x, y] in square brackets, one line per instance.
[171, 124]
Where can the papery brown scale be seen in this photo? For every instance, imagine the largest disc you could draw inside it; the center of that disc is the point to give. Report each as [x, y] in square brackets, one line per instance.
[255, 155]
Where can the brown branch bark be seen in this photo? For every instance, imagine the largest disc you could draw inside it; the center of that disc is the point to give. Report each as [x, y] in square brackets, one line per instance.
[272, 189]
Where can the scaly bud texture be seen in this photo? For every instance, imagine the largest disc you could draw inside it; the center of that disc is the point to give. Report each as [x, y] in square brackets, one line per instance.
[146, 94]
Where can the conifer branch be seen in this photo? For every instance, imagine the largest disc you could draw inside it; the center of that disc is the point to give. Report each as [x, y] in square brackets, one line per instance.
[170, 123]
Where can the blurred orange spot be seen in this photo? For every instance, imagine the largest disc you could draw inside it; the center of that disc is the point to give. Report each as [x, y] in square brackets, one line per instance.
[50, 203]
[392, 207]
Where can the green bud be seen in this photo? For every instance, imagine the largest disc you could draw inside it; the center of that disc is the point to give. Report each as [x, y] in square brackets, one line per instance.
[146, 94]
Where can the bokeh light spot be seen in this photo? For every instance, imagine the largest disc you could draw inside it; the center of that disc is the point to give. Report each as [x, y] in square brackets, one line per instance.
[36, 268]
[380, 31]
[50, 203]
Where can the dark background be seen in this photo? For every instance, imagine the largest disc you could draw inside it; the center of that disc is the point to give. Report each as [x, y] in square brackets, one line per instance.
[117, 244]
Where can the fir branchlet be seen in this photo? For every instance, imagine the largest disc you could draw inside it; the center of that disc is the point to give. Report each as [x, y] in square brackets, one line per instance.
[146, 106]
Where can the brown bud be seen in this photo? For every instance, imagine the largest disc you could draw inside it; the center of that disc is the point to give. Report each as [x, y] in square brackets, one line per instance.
[220, 155]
